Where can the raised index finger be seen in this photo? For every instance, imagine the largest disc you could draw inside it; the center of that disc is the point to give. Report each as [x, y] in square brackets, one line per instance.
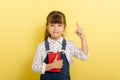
[78, 27]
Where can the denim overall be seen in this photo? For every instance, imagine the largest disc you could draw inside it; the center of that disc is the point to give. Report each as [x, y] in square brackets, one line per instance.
[64, 74]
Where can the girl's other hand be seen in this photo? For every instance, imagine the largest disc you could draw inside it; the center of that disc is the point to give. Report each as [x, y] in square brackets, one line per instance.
[79, 31]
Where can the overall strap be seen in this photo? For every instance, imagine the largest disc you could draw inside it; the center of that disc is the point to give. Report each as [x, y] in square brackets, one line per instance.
[64, 44]
[47, 45]
[48, 48]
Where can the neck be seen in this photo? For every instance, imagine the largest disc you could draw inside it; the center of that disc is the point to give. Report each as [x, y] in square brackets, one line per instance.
[55, 38]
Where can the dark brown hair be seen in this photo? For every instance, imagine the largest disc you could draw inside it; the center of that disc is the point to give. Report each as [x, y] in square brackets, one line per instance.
[54, 17]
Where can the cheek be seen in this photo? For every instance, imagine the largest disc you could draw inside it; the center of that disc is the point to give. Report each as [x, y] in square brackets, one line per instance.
[62, 29]
[49, 29]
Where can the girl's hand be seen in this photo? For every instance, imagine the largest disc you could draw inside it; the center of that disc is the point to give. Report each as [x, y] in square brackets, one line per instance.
[57, 63]
[79, 31]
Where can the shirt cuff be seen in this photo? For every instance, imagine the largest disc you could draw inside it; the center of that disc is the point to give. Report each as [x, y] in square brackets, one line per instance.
[43, 68]
[85, 57]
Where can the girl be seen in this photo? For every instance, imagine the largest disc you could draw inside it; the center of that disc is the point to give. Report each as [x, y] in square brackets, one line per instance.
[63, 50]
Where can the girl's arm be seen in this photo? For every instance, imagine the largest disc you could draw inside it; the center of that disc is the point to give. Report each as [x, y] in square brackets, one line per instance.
[38, 65]
[80, 33]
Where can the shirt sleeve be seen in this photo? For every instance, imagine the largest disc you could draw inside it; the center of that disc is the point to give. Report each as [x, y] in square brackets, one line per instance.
[78, 53]
[38, 65]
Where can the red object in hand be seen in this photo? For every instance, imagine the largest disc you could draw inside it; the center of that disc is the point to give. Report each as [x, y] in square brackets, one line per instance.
[51, 57]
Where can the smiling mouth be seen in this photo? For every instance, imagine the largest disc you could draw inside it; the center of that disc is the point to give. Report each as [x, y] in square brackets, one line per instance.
[55, 32]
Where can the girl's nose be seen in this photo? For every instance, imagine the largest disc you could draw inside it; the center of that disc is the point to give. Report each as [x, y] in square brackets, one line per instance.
[56, 27]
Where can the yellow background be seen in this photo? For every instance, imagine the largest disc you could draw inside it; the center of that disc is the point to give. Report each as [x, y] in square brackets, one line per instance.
[22, 25]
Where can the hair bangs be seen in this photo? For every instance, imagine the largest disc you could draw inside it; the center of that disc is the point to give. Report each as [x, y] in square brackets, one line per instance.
[56, 19]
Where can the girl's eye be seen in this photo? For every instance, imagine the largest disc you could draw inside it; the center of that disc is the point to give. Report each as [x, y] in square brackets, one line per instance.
[51, 25]
[59, 25]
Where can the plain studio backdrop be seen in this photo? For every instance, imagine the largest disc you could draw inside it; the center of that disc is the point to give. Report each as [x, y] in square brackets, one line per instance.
[22, 27]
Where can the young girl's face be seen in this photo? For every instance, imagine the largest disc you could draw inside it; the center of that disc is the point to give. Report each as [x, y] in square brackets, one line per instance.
[56, 30]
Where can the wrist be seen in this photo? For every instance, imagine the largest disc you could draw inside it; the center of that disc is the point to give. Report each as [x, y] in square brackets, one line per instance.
[49, 66]
[82, 37]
